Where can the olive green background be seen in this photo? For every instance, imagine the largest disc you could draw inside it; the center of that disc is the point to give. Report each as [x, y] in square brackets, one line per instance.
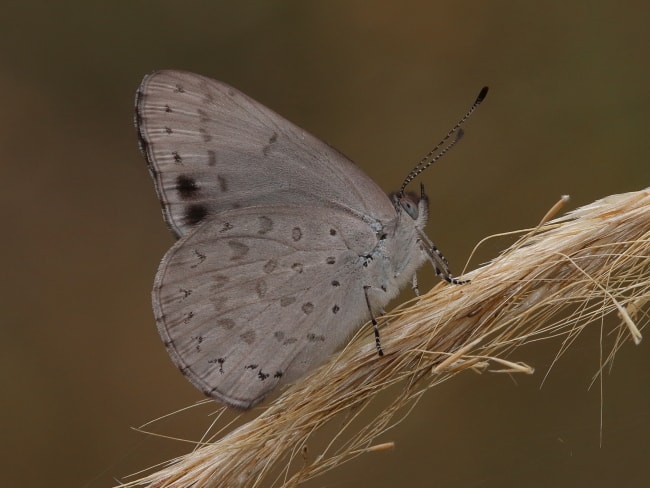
[382, 81]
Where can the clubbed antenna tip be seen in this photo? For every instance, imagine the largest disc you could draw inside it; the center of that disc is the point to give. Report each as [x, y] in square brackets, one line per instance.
[482, 94]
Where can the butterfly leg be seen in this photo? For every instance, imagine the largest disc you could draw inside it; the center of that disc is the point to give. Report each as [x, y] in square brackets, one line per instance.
[414, 285]
[438, 261]
[380, 351]
[441, 265]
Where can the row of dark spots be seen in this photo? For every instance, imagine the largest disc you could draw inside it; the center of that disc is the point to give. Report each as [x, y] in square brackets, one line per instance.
[188, 189]
[185, 185]
[262, 375]
[308, 308]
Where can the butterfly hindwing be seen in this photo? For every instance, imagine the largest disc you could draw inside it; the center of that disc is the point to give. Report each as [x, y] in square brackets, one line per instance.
[211, 148]
[254, 298]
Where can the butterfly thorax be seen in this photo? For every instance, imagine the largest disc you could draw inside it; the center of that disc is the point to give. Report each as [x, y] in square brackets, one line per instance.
[398, 254]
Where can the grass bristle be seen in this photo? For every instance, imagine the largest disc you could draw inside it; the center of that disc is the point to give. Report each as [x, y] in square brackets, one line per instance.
[554, 282]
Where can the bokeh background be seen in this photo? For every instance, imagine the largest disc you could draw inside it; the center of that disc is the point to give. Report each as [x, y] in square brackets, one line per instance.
[81, 360]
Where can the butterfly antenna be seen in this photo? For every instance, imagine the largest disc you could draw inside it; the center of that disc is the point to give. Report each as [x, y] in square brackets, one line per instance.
[429, 158]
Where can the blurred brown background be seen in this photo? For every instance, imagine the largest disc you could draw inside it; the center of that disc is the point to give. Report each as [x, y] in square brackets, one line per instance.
[382, 81]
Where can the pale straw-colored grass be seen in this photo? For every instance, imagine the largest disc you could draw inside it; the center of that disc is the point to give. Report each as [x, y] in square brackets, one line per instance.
[553, 282]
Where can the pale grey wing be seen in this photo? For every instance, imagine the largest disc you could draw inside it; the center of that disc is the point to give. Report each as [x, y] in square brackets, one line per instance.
[255, 298]
[211, 148]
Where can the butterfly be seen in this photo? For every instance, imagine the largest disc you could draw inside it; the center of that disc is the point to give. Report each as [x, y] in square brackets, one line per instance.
[285, 247]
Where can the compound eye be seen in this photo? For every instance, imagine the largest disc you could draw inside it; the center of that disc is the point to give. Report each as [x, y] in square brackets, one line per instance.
[409, 207]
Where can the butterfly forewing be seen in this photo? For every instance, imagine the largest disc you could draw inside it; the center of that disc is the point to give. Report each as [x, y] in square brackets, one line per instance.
[210, 148]
[254, 298]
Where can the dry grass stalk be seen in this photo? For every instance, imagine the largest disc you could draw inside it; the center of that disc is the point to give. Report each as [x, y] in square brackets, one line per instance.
[552, 282]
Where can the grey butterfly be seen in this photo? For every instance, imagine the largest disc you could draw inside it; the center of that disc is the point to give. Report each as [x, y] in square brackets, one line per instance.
[284, 248]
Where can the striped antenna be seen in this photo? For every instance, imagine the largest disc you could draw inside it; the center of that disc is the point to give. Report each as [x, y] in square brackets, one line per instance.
[431, 157]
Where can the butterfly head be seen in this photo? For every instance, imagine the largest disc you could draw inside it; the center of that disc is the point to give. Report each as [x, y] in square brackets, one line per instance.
[414, 205]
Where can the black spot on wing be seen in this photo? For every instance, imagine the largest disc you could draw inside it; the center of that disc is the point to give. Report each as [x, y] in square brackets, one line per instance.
[186, 187]
[194, 214]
